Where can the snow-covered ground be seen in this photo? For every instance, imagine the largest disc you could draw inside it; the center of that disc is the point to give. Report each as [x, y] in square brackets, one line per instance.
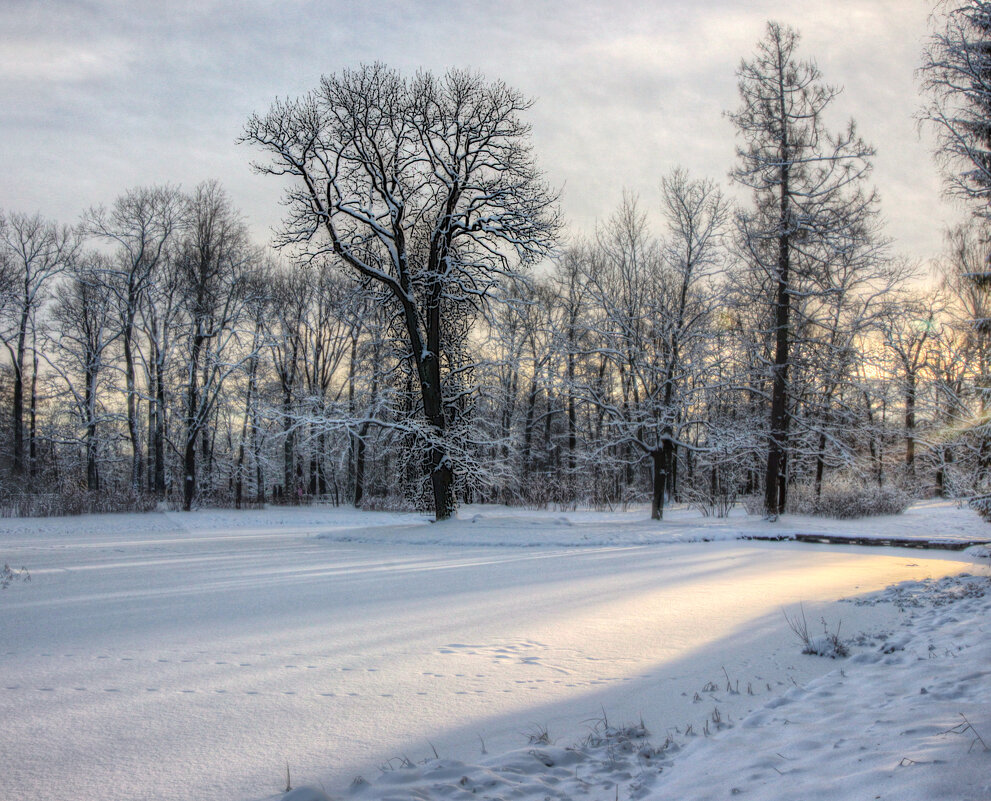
[170, 656]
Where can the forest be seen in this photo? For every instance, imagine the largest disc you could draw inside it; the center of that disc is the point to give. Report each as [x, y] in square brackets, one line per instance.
[425, 331]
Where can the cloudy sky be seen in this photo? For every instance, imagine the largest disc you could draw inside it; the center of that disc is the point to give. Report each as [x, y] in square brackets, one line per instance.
[97, 96]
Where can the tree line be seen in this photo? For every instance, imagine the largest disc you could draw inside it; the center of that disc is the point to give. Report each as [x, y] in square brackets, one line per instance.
[424, 334]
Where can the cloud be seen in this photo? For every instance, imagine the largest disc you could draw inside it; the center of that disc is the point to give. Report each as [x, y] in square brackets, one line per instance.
[44, 62]
[102, 95]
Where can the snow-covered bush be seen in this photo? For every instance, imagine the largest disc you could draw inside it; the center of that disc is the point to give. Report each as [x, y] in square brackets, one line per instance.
[711, 503]
[71, 500]
[982, 505]
[392, 502]
[9, 575]
[753, 504]
[846, 499]
[827, 644]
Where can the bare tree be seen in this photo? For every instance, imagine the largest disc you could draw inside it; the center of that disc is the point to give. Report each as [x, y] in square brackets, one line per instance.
[291, 296]
[81, 332]
[654, 303]
[215, 262]
[34, 252]
[910, 332]
[425, 186]
[956, 77]
[141, 225]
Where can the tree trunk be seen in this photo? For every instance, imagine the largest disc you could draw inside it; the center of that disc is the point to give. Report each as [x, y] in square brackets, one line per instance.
[820, 464]
[239, 483]
[572, 420]
[153, 412]
[33, 414]
[528, 425]
[667, 462]
[674, 492]
[92, 475]
[132, 412]
[288, 444]
[438, 463]
[910, 395]
[660, 481]
[18, 411]
[428, 367]
[193, 425]
[256, 455]
[774, 477]
[360, 446]
[189, 471]
[159, 482]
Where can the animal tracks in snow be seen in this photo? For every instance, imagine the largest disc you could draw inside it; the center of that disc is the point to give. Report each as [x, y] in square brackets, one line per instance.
[533, 653]
[523, 652]
[475, 673]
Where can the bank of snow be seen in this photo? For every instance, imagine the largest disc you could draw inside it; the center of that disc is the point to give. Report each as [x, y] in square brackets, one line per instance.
[500, 526]
[906, 718]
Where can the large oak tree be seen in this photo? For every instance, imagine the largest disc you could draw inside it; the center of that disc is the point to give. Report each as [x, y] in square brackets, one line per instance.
[425, 186]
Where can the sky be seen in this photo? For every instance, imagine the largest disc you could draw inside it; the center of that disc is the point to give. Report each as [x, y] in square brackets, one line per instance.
[99, 96]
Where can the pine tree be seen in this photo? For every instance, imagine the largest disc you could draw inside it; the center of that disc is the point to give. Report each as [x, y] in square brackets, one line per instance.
[806, 202]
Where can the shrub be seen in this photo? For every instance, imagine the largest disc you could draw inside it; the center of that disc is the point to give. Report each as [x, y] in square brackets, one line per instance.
[753, 504]
[711, 503]
[9, 575]
[827, 644]
[982, 505]
[72, 501]
[847, 499]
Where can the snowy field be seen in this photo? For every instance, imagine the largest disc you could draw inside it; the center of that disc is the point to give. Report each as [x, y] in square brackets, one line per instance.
[171, 656]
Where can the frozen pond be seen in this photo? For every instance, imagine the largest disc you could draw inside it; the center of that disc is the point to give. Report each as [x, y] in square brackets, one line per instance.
[149, 662]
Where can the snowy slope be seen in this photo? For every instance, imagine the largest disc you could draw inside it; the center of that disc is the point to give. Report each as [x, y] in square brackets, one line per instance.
[908, 719]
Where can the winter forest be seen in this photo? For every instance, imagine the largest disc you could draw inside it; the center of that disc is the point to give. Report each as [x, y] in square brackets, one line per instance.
[459, 443]
[426, 331]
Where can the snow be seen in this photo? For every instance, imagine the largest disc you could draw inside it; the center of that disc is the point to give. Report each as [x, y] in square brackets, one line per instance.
[174, 656]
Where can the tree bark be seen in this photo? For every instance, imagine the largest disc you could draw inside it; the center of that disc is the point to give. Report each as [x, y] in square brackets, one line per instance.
[774, 477]
[18, 410]
[660, 475]
[910, 399]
